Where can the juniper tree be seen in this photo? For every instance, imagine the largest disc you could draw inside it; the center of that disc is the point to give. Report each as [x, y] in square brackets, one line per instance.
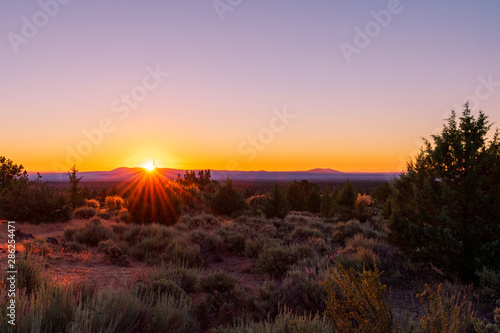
[445, 210]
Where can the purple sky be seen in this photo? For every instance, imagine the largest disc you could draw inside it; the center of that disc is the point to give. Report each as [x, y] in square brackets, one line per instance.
[228, 68]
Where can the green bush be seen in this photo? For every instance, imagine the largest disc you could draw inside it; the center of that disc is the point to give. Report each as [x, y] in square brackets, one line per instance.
[219, 284]
[489, 283]
[207, 240]
[171, 315]
[345, 230]
[277, 260]
[445, 208]
[234, 241]
[181, 252]
[91, 234]
[184, 277]
[301, 233]
[228, 201]
[84, 213]
[302, 292]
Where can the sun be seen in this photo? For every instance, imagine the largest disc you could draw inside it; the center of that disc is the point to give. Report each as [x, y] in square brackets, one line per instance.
[150, 166]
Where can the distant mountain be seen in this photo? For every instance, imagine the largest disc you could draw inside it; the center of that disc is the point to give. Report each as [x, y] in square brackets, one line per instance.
[320, 170]
[318, 174]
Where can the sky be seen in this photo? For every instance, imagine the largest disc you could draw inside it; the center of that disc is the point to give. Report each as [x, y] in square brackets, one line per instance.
[238, 84]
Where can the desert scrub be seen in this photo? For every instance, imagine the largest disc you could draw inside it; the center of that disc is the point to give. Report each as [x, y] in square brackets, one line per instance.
[91, 233]
[201, 220]
[302, 292]
[489, 283]
[173, 315]
[182, 252]
[38, 246]
[297, 218]
[207, 240]
[123, 216]
[92, 203]
[448, 314]
[114, 203]
[286, 321]
[114, 254]
[277, 260]
[254, 246]
[109, 311]
[358, 259]
[356, 302]
[301, 233]
[233, 240]
[161, 234]
[218, 284]
[184, 277]
[84, 213]
[345, 230]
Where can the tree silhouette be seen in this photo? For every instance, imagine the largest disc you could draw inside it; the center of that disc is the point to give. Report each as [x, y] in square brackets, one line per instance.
[75, 193]
[275, 204]
[445, 208]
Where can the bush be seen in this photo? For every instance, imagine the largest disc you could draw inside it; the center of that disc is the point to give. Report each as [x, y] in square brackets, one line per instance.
[277, 260]
[218, 284]
[92, 233]
[228, 201]
[84, 213]
[171, 315]
[182, 253]
[443, 315]
[358, 259]
[208, 241]
[356, 302]
[345, 230]
[92, 203]
[302, 292]
[184, 277]
[123, 216]
[234, 241]
[489, 283]
[114, 203]
[113, 253]
[202, 220]
[303, 233]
